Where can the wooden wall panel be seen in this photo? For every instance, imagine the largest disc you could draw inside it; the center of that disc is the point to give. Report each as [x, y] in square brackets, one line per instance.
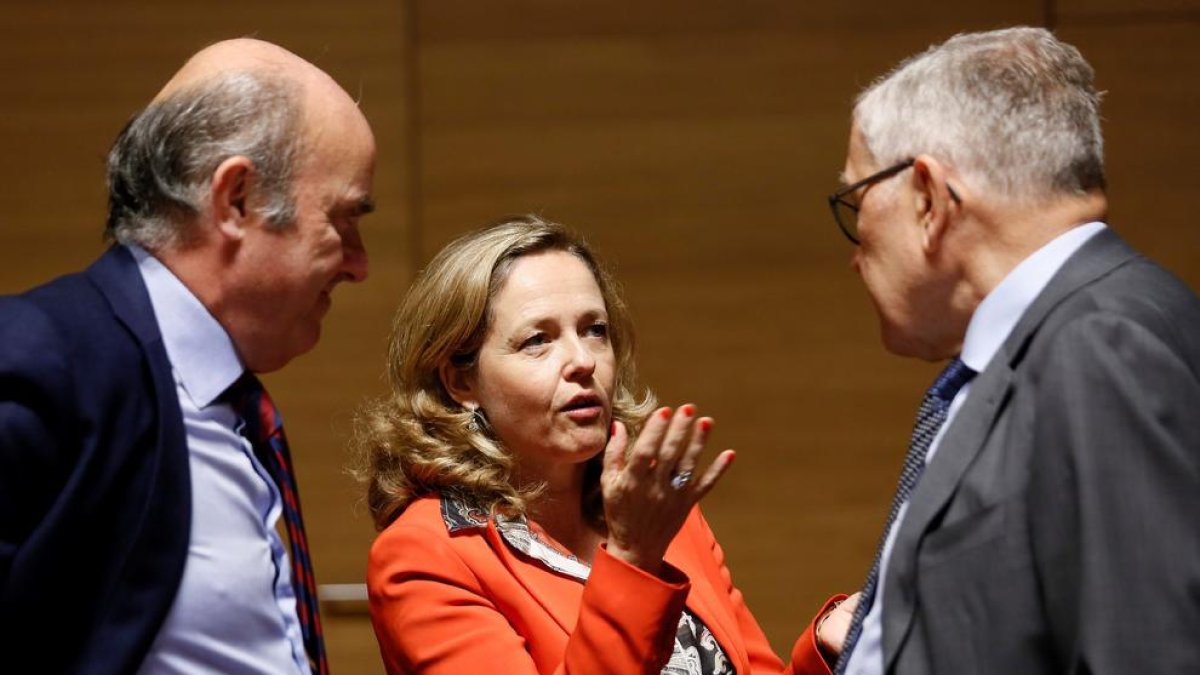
[1151, 107]
[1125, 12]
[692, 142]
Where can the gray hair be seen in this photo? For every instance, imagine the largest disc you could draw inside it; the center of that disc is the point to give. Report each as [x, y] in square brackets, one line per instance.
[1013, 109]
[160, 166]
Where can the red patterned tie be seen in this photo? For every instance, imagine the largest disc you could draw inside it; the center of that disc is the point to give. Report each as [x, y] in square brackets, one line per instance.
[264, 430]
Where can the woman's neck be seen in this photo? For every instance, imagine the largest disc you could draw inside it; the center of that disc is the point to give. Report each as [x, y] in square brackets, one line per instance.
[558, 510]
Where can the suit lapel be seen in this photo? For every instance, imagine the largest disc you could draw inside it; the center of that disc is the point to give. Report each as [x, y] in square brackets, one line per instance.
[162, 540]
[116, 275]
[1101, 255]
[705, 602]
[560, 597]
[971, 427]
[956, 451]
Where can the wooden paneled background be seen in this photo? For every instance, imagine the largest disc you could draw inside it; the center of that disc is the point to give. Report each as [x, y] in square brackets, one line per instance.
[692, 142]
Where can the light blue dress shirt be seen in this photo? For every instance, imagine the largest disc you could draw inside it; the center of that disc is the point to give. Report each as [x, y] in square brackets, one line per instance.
[989, 327]
[235, 611]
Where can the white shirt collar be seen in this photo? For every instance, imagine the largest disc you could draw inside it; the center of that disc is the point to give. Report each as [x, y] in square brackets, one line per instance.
[999, 312]
[201, 352]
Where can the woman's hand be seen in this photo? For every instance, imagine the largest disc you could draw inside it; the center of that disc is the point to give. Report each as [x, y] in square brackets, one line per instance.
[832, 628]
[649, 492]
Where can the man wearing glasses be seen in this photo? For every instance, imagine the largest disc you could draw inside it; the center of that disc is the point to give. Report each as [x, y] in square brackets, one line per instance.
[1047, 518]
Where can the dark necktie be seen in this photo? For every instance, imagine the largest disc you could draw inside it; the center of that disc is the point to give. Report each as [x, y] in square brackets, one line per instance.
[264, 430]
[930, 418]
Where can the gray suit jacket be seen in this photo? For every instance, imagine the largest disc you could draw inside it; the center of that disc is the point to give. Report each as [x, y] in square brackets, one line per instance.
[1057, 530]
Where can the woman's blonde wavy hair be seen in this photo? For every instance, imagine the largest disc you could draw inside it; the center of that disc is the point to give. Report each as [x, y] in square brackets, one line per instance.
[415, 440]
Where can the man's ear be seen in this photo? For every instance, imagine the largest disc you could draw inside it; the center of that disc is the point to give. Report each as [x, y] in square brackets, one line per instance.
[458, 382]
[232, 182]
[936, 203]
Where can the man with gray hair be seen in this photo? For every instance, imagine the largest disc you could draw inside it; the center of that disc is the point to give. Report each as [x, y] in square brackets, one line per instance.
[143, 470]
[1046, 515]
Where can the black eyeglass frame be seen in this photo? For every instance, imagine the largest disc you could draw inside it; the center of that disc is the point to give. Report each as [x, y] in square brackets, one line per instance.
[839, 197]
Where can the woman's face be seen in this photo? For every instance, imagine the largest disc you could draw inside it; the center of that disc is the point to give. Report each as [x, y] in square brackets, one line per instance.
[545, 372]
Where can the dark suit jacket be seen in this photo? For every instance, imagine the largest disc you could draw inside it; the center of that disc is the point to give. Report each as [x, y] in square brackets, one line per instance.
[1057, 530]
[95, 499]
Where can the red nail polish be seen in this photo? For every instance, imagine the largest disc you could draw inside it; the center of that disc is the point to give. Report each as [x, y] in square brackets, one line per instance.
[612, 428]
[706, 425]
[665, 413]
[688, 410]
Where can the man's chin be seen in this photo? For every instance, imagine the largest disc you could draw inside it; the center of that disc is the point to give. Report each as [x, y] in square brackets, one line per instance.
[284, 354]
[898, 341]
[912, 346]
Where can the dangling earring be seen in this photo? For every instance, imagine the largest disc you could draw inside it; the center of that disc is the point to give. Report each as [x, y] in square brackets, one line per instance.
[477, 421]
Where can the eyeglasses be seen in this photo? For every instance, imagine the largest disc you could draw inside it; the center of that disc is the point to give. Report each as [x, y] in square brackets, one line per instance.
[845, 202]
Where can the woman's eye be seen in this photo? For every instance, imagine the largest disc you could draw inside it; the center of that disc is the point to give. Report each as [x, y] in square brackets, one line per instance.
[534, 341]
[597, 330]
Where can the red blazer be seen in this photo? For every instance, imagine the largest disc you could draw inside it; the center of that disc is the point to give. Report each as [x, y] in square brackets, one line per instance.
[465, 602]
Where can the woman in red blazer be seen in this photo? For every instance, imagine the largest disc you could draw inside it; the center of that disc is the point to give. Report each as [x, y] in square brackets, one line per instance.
[537, 514]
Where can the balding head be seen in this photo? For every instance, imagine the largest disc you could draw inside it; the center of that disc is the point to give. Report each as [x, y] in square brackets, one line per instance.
[240, 97]
[246, 176]
[246, 55]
